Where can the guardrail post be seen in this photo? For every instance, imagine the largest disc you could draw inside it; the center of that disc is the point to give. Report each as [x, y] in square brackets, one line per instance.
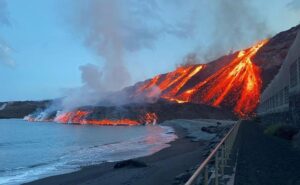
[225, 153]
[217, 168]
[221, 153]
[206, 176]
[222, 160]
[230, 142]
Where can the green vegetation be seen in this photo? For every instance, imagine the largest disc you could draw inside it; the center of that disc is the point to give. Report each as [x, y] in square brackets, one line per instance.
[282, 130]
[273, 128]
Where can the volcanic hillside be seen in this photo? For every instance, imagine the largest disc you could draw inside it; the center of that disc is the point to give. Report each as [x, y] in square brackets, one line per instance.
[234, 81]
[216, 90]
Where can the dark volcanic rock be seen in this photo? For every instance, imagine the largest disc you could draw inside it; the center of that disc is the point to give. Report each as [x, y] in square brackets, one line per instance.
[287, 132]
[182, 178]
[130, 163]
[163, 109]
[210, 129]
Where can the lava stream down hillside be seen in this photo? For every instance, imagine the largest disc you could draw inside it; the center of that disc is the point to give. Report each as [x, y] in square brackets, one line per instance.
[236, 85]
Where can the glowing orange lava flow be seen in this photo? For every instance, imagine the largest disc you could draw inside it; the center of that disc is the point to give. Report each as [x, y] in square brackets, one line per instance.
[171, 95]
[149, 118]
[171, 83]
[127, 122]
[71, 117]
[81, 118]
[237, 85]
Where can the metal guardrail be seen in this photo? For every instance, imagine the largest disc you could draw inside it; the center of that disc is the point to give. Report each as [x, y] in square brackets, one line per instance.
[220, 155]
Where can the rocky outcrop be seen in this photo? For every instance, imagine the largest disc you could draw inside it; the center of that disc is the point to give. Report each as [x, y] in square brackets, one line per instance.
[130, 164]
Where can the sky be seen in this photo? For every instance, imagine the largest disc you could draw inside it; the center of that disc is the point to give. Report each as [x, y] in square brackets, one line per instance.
[49, 47]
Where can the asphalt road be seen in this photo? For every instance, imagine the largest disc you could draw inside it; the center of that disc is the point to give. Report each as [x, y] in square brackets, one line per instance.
[265, 160]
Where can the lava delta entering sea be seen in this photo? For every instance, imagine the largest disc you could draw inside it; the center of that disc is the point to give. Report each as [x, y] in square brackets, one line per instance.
[236, 86]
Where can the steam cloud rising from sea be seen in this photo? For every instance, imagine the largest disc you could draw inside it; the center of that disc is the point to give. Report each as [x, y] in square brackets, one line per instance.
[111, 28]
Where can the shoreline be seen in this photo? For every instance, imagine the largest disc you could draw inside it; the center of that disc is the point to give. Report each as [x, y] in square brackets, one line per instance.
[167, 166]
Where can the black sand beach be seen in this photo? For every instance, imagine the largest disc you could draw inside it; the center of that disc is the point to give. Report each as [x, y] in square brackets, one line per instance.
[162, 167]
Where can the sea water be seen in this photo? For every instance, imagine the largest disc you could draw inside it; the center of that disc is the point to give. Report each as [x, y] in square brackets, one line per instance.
[33, 150]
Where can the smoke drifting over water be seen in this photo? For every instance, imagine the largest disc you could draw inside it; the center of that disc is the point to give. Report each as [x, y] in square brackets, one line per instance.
[91, 92]
[110, 29]
[100, 22]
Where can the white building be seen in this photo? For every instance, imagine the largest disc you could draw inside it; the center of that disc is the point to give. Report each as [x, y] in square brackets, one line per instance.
[283, 93]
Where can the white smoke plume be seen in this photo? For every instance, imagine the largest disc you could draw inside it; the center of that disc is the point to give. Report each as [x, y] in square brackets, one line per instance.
[236, 25]
[231, 25]
[110, 28]
[294, 5]
[5, 50]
